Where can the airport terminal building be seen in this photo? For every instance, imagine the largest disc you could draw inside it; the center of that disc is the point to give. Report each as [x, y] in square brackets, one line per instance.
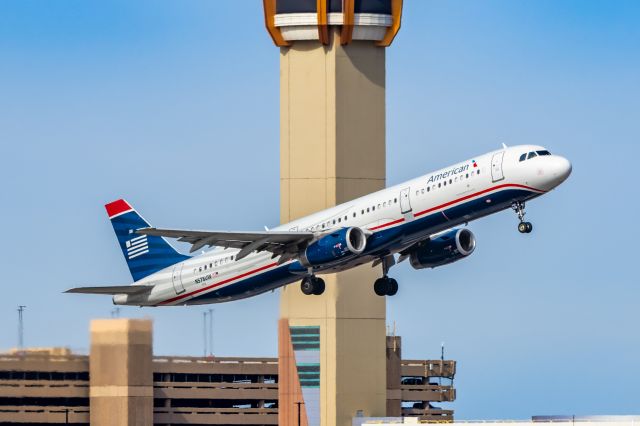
[121, 382]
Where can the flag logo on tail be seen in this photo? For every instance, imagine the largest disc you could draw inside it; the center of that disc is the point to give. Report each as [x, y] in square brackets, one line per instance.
[137, 247]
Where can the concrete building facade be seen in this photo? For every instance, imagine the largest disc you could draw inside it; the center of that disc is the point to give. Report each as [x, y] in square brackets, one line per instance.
[132, 387]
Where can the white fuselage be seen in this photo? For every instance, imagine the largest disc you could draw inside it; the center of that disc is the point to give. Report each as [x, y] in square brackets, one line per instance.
[397, 217]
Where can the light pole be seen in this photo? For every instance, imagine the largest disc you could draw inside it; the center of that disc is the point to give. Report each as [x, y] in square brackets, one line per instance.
[204, 332]
[210, 332]
[299, 403]
[20, 327]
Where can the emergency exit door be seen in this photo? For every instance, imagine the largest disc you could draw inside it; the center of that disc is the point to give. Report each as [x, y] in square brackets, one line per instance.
[405, 203]
[177, 278]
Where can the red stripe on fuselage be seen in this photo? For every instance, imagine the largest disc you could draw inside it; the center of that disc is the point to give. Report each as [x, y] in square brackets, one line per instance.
[200, 290]
[384, 225]
[466, 197]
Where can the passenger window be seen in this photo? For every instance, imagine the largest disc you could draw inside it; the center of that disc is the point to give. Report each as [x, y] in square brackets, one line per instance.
[439, 185]
[531, 155]
[362, 212]
[384, 204]
[211, 265]
[450, 181]
[444, 183]
[417, 193]
[478, 172]
[373, 209]
[395, 200]
[354, 214]
[200, 269]
[467, 175]
[205, 267]
[339, 219]
[422, 190]
[367, 209]
[428, 188]
[523, 157]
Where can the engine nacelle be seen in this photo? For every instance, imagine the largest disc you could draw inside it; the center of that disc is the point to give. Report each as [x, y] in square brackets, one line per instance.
[444, 249]
[337, 246]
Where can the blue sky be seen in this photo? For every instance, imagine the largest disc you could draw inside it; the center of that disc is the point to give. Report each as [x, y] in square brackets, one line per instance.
[174, 106]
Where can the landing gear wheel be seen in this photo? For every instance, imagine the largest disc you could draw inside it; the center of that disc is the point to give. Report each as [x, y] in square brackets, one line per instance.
[312, 285]
[307, 286]
[318, 286]
[380, 286]
[385, 286]
[392, 288]
[525, 227]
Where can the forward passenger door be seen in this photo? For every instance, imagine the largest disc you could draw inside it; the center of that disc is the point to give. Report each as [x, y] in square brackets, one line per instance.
[496, 166]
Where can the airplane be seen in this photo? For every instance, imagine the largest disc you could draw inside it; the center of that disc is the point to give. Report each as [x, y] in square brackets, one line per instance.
[422, 220]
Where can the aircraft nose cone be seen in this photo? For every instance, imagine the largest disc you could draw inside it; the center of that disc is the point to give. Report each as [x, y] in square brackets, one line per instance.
[560, 169]
[564, 168]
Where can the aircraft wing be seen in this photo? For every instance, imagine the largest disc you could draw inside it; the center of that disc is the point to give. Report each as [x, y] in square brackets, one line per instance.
[116, 289]
[286, 244]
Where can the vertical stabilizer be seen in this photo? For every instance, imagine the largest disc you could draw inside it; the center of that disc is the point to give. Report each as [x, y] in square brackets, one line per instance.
[145, 254]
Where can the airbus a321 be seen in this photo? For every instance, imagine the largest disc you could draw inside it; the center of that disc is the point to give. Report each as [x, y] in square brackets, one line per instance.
[421, 220]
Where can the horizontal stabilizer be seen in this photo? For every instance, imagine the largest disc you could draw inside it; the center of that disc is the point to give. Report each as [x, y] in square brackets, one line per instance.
[116, 289]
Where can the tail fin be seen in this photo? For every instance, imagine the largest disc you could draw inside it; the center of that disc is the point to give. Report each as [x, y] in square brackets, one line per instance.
[145, 254]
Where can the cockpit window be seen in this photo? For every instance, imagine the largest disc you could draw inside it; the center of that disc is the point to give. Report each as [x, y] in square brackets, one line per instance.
[531, 155]
[523, 157]
[545, 152]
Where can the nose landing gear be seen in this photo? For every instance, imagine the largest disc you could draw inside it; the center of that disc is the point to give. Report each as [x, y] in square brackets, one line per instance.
[523, 227]
[312, 285]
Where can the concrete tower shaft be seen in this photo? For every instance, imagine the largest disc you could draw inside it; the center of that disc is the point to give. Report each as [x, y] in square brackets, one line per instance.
[332, 149]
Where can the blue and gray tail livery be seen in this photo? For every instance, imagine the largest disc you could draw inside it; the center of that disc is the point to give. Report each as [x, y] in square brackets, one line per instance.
[145, 254]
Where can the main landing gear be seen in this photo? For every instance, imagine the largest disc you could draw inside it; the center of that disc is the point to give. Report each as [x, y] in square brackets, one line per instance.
[386, 286]
[312, 285]
[523, 227]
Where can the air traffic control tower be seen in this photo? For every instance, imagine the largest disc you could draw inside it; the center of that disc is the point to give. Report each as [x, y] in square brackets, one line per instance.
[332, 150]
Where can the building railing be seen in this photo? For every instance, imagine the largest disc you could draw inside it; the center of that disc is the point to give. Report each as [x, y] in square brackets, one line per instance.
[213, 360]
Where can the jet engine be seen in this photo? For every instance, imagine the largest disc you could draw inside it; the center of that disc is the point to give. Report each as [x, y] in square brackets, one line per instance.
[443, 249]
[339, 245]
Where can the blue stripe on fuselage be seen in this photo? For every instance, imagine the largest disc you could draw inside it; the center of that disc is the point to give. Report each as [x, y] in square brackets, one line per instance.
[380, 242]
